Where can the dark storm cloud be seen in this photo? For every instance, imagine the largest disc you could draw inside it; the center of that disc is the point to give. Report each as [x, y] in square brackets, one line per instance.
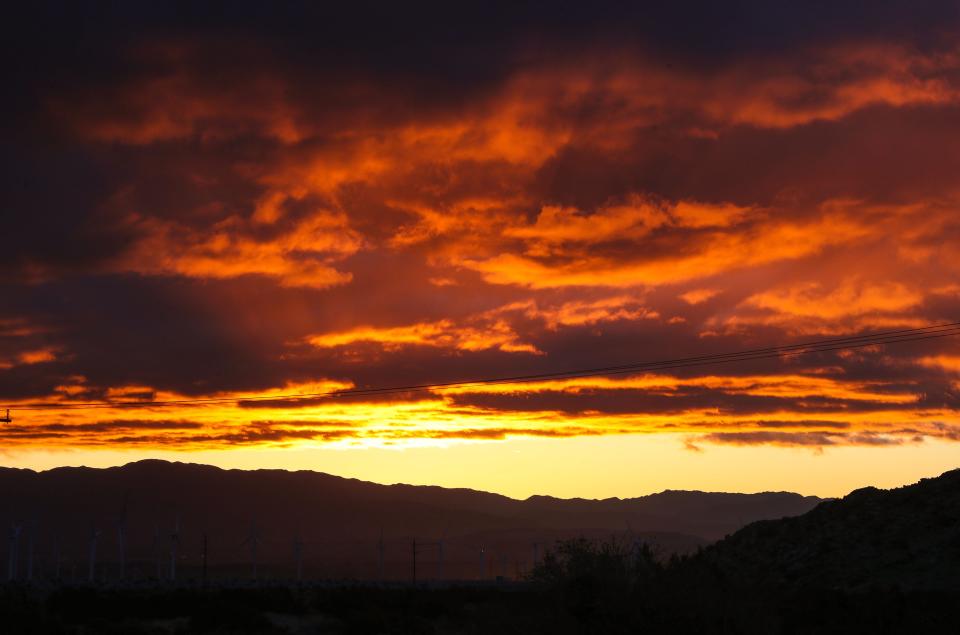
[796, 166]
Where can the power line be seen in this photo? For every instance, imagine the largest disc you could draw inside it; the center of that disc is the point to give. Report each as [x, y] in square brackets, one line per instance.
[790, 350]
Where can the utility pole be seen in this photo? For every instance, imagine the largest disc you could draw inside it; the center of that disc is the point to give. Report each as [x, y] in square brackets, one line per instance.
[421, 546]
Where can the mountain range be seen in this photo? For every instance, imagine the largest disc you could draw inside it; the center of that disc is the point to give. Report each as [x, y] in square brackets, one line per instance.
[258, 521]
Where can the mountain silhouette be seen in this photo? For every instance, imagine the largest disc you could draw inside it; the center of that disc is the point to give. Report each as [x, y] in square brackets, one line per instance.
[343, 528]
[906, 538]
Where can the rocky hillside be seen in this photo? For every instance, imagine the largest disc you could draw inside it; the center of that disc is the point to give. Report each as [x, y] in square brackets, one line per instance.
[907, 538]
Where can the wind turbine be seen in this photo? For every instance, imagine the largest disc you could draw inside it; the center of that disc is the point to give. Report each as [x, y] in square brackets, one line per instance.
[14, 537]
[440, 545]
[94, 535]
[253, 539]
[380, 555]
[634, 540]
[56, 557]
[122, 539]
[157, 548]
[174, 544]
[483, 562]
[298, 555]
[203, 559]
[31, 530]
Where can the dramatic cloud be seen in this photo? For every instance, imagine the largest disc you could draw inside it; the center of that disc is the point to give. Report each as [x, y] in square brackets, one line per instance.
[290, 201]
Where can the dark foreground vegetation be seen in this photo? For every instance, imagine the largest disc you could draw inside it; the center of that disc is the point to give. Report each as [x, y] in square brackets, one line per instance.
[875, 562]
[579, 587]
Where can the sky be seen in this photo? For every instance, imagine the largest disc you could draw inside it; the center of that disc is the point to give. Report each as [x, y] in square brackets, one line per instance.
[265, 199]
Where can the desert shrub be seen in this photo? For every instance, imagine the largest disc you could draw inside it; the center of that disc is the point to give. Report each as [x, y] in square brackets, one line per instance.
[599, 584]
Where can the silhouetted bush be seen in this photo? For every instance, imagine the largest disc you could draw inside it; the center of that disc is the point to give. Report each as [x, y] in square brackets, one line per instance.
[598, 584]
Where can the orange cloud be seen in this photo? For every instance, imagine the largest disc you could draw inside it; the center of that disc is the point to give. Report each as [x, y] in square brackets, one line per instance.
[441, 334]
[517, 121]
[579, 312]
[851, 297]
[787, 386]
[302, 257]
[840, 412]
[37, 356]
[696, 296]
[547, 263]
[854, 78]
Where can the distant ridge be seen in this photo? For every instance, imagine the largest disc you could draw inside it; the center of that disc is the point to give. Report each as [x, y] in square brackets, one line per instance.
[340, 520]
[907, 538]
